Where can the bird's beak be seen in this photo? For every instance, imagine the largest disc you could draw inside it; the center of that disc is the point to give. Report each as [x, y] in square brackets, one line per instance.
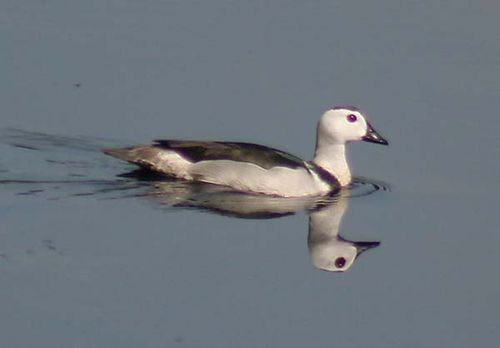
[364, 246]
[373, 137]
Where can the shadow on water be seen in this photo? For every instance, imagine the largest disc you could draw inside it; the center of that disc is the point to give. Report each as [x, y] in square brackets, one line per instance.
[58, 167]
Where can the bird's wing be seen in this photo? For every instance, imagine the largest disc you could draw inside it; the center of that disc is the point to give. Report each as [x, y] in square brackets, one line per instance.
[263, 156]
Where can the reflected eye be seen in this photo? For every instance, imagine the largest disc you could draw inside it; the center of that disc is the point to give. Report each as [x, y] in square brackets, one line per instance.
[352, 118]
[340, 262]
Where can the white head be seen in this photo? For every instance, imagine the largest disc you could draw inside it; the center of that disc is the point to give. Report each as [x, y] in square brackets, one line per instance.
[337, 127]
[340, 125]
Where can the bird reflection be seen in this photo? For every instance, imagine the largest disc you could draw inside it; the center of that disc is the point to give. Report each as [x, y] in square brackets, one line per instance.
[329, 251]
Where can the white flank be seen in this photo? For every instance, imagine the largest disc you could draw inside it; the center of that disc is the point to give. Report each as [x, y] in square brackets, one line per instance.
[244, 176]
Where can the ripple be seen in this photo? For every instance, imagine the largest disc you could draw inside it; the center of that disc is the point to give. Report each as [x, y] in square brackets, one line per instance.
[39, 141]
[362, 186]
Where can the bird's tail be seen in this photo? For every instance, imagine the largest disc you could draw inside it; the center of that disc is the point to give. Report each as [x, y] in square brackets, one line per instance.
[142, 155]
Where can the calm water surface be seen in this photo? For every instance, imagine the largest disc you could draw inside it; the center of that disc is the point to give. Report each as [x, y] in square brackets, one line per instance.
[90, 257]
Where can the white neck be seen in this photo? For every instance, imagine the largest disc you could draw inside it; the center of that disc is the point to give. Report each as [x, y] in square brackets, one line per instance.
[332, 157]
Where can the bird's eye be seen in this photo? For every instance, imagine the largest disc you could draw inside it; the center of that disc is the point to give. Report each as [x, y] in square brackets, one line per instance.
[352, 118]
[340, 262]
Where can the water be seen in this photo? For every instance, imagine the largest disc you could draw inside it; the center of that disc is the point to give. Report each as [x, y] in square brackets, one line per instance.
[89, 258]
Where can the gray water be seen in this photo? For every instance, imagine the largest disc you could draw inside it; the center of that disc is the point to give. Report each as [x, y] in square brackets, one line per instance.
[92, 259]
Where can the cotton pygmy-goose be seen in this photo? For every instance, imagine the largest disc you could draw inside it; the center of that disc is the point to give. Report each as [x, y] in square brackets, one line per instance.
[256, 168]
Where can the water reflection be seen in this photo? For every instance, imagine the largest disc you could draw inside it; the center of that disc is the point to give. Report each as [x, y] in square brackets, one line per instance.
[329, 251]
[76, 176]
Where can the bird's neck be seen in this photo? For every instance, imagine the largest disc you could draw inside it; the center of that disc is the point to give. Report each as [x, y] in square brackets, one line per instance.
[332, 157]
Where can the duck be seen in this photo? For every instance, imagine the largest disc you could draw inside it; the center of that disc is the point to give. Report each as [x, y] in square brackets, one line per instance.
[254, 168]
